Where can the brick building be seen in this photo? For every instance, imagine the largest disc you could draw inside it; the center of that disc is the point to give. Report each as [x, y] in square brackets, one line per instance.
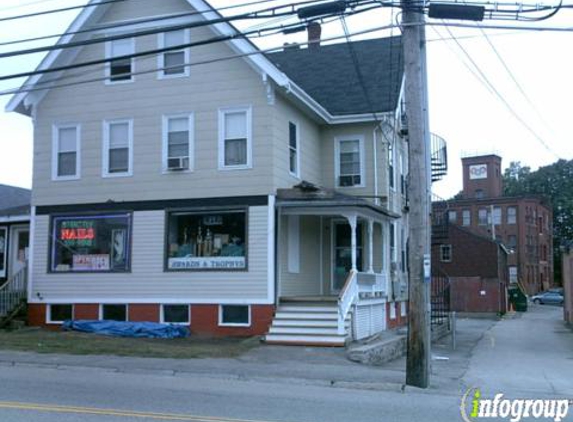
[522, 224]
[567, 274]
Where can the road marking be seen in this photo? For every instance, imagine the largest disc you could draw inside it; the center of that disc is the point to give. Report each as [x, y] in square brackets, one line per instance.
[116, 412]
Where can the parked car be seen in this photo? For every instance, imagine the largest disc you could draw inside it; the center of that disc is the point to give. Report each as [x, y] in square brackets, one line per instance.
[548, 298]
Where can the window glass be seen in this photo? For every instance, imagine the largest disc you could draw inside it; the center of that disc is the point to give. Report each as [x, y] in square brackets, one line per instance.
[60, 313]
[293, 149]
[3, 248]
[174, 61]
[446, 253]
[511, 215]
[67, 151]
[512, 241]
[118, 148]
[121, 69]
[235, 142]
[235, 314]
[452, 216]
[349, 163]
[391, 164]
[114, 312]
[466, 218]
[482, 216]
[176, 314]
[207, 241]
[178, 137]
[91, 243]
[497, 216]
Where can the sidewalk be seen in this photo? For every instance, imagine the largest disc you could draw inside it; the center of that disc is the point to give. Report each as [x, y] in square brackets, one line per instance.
[286, 364]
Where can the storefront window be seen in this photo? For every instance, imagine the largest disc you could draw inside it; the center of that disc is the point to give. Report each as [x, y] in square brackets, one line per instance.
[3, 248]
[99, 243]
[207, 241]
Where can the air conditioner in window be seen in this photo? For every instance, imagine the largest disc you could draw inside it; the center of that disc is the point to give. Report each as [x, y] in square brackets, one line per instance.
[178, 163]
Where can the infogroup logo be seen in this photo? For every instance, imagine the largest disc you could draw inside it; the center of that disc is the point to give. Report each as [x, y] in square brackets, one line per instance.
[474, 407]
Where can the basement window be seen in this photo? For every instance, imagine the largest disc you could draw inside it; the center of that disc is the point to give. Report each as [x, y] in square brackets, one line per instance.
[175, 314]
[57, 314]
[114, 312]
[235, 315]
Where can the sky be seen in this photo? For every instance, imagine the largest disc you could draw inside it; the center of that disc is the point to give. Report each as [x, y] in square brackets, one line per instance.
[501, 91]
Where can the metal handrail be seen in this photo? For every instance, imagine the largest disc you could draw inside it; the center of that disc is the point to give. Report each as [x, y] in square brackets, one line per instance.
[346, 298]
[13, 292]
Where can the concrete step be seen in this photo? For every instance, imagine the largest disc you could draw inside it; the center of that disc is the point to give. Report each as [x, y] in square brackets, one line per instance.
[328, 323]
[323, 331]
[306, 340]
[305, 308]
[306, 315]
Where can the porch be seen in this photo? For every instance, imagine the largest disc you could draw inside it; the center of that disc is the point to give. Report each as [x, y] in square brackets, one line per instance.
[333, 271]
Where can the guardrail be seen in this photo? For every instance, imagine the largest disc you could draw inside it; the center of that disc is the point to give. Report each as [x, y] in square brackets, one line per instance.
[346, 298]
[13, 292]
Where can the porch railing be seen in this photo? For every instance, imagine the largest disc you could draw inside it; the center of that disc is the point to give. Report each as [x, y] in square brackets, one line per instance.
[372, 283]
[13, 292]
[346, 298]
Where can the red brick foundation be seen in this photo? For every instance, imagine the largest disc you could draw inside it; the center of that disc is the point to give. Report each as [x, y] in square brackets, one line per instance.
[399, 321]
[204, 318]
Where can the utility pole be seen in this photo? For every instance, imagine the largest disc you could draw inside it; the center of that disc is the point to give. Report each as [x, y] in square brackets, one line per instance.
[420, 179]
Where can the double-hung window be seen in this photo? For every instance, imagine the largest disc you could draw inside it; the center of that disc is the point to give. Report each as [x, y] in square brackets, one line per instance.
[178, 142]
[173, 63]
[293, 148]
[120, 69]
[497, 217]
[391, 181]
[66, 149]
[118, 148]
[483, 217]
[235, 143]
[349, 166]
[466, 218]
[511, 215]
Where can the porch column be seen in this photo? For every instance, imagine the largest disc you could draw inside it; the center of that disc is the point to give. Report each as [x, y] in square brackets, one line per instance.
[352, 220]
[370, 246]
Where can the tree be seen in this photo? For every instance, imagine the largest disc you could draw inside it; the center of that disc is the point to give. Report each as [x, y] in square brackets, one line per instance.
[555, 183]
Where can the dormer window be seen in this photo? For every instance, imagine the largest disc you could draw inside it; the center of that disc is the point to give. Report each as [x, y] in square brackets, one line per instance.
[121, 69]
[172, 63]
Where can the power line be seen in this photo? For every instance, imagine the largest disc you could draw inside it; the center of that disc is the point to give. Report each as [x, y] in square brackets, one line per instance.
[64, 9]
[203, 62]
[135, 22]
[21, 6]
[500, 97]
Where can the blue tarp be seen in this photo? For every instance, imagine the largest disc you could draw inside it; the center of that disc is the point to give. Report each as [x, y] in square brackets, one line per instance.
[127, 329]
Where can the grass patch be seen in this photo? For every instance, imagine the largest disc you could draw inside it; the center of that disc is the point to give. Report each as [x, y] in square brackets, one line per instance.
[69, 342]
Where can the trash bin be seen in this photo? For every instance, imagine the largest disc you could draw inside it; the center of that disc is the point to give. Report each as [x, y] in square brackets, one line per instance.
[518, 300]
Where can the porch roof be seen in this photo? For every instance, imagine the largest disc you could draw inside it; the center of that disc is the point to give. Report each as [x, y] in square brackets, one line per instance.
[313, 198]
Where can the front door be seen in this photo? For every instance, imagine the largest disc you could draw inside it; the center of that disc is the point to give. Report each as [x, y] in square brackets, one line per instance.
[20, 242]
[342, 253]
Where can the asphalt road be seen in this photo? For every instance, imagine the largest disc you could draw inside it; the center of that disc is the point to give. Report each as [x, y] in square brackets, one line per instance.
[529, 356]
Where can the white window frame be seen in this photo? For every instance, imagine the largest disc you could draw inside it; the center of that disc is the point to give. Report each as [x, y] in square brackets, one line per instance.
[248, 110]
[497, 216]
[293, 240]
[4, 272]
[337, 141]
[296, 173]
[49, 319]
[105, 148]
[452, 216]
[101, 305]
[403, 308]
[513, 216]
[191, 140]
[391, 166]
[392, 306]
[108, 56]
[467, 213]
[231, 324]
[162, 314]
[55, 150]
[442, 248]
[161, 57]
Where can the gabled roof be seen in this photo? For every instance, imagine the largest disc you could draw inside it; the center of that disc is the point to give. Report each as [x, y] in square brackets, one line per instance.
[13, 200]
[328, 74]
[329, 107]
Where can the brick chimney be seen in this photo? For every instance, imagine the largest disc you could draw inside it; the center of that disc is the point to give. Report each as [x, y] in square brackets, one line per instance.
[314, 32]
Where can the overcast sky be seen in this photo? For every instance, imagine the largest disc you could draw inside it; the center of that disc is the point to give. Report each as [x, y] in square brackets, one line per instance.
[463, 108]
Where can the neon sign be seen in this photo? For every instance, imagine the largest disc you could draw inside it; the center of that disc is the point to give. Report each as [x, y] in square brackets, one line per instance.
[77, 232]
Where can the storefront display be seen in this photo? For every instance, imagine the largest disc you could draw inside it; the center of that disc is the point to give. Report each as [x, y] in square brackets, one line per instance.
[207, 241]
[94, 243]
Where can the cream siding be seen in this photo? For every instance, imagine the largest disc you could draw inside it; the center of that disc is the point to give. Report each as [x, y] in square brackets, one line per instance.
[147, 282]
[208, 88]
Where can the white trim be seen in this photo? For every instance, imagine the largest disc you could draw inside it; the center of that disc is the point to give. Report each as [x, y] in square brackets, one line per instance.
[293, 244]
[337, 141]
[101, 305]
[161, 56]
[15, 219]
[6, 249]
[105, 149]
[271, 248]
[229, 324]
[108, 55]
[392, 146]
[55, 151]
[248, 110]
[321, 255]
[392, 306]
[31, 251]
[403, 308]
[162, 314]
[49, 312]
[295, 174]
[15, 230]
[191, 141]
[158, 300]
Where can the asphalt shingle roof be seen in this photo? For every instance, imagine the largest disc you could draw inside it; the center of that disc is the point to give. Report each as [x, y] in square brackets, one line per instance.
[329, 75]
[12, 197]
